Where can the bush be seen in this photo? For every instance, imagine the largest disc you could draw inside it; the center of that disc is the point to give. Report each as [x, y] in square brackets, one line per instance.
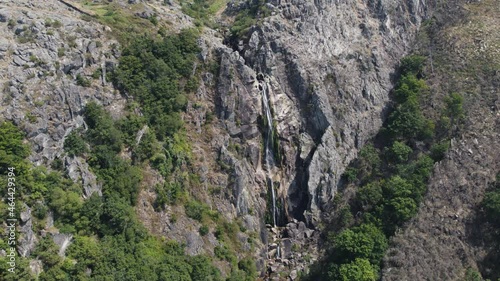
[167, 194]
[454, 106]
[61, 52]
[369, 160]
[102, 130]
[365, 241]
[351, 174]
[12, 149]
[224, 253]
[248, 266]
[203, 230]
[370, 195]
[97, 73]
[398, 152]
[473, 275]
[74, 144]
[82, 81]
[407, 121]
[203, 270]
[413, 64]
[357, 270]
[147, 147]
[438, 150]
[195, 210]
[409, 86]
[65, 203]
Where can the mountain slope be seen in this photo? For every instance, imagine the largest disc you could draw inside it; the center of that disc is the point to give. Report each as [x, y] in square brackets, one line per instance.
[442, 241]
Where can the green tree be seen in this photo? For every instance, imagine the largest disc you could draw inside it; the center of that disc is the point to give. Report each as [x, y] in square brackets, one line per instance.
[409, 87]
[203, 269]
[358, 270]
[370, 195]
[47, 251]
[248, 266]
[369, 160]
[65, 203]
[491, 204]
[454, 109]
[365, 241]
[413, 64]
[454, 106]
[407, 121]
[402, 209]
[438, 150]
[398, 152]
[117, 214]
[86, 251]
[102, 130]
[74, 144]
[12, 149]
[397, 187]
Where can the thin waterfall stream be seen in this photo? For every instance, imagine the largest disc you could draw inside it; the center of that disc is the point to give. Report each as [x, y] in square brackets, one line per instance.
[269, 155]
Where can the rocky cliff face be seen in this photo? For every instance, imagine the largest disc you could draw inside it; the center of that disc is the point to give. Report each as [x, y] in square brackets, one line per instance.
[328, 66]
[48, 54]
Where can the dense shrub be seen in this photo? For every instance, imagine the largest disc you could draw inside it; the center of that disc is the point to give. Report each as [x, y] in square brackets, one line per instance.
[74, 144]
[247, 18]
[491, 203]
[82, 81]
[357, 270]
[413, 64]
[195, 210]
[12, 149]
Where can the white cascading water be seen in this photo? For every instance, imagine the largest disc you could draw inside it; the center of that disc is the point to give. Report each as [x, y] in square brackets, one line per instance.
[269, 147]
[269, 155]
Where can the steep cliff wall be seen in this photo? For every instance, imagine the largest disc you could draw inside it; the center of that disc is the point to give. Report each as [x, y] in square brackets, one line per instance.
[446, 238]
[329, 65]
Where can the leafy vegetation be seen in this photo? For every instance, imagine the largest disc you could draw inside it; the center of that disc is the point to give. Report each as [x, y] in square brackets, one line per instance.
[491, 204]
[203, 10]
[125, 25]
[154, 73]
[248, 17]
[82, 81]
[74, 144]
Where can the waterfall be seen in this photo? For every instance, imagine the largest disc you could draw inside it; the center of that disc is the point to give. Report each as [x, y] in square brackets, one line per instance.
[269, 147]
